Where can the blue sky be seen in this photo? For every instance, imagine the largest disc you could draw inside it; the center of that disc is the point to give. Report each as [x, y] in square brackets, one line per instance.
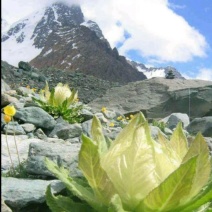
[157, 33]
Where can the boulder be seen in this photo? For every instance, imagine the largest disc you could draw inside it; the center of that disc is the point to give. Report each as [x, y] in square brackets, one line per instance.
[159, 97]
[36, 116]
[65, 154]
[203, 125]
[19, 193]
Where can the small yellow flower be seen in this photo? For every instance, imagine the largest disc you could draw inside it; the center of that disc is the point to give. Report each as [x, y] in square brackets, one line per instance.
[7, 118]
[10, 110]
[104, 109]
[127, 118]
[34, 89]
[111, 124]
[131, 116]
[119, 118]
[28, 86]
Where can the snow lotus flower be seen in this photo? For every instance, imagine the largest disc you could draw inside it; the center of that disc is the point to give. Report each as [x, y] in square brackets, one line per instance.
[58, 95]
[135, 173]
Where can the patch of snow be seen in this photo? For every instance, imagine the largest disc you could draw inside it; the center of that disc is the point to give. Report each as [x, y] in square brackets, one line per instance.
[77, 56]
[13, 52]
[46, 53]
[74, 46]
[56, 16]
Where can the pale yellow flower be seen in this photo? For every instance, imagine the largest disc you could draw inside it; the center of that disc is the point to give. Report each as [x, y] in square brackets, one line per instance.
[127, 118]
[119, 118]
[111, 124]
[131, 116]
[10, 110]
[104, 109]
[7, 118]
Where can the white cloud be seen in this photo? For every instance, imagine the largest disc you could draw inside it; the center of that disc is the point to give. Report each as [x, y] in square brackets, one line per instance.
[156, 31]
[204, 74]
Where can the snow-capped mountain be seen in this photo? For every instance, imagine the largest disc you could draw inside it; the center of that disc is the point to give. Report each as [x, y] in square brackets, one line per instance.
[27, 37]
[4, 25]
[155, 72]
[59, 37]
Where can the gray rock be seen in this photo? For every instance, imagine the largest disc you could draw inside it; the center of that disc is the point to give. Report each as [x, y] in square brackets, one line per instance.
[87, 115]
[28, 127]
[24, 91]
[61, 154]
[155, 131]
[4, 86]
[40, 134]
[203, 125]
[23, 148]
[86, 127]
[19, 193]
[14, 127]
[175, 118]
[36, 116]
[209, 142]
[7, 99]
[159, 97]
[66, 131]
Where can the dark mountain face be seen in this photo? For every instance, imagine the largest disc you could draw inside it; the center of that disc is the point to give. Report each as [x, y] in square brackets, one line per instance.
[57, 15]
[80, 49]
[72, 45]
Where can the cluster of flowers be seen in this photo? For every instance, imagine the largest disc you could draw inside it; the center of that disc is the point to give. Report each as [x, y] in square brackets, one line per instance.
[120, 121]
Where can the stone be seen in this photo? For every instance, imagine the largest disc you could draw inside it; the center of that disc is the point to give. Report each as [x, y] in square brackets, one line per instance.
[172, 120]
[14, 128]
[28, 127]
[65, 154]
[7, 99]
[158, 98]
[203, 125]
[23, 148]
[4, 86]
[66, 131]
[36, 116]
[18, 193]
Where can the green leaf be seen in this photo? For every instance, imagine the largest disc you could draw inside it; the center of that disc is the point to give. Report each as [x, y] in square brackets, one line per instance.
[168, 195]
[51, 98]
[204, 197]
[116, 205]
[51, 202]
[199, 147]
[89, 163]
[178, 142]
[82, 192]
[73, 97]
[62, 203]
[130, 162]
[97, 135]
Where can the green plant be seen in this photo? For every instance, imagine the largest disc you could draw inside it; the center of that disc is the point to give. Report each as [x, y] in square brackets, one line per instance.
[137, 174]
[161, 125]
[61, 101]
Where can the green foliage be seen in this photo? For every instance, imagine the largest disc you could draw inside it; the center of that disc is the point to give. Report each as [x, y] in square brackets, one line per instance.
[161, 125]
[136, 173]
[61, 101]
[19, 172]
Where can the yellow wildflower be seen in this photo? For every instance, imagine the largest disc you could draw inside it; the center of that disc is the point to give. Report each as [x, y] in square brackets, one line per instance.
[104, 109]
[28, 86]
[119, 118]
[10, 110]
[111, 124]
[127, 118]
[7, 118]
[33, 89]
[131, 116]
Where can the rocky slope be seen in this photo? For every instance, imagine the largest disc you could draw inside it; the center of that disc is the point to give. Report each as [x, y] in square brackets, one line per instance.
[158, 97]
[89, 87]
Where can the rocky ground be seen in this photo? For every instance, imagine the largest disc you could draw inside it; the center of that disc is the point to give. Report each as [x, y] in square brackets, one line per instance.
[89, 87]
[39, 135]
